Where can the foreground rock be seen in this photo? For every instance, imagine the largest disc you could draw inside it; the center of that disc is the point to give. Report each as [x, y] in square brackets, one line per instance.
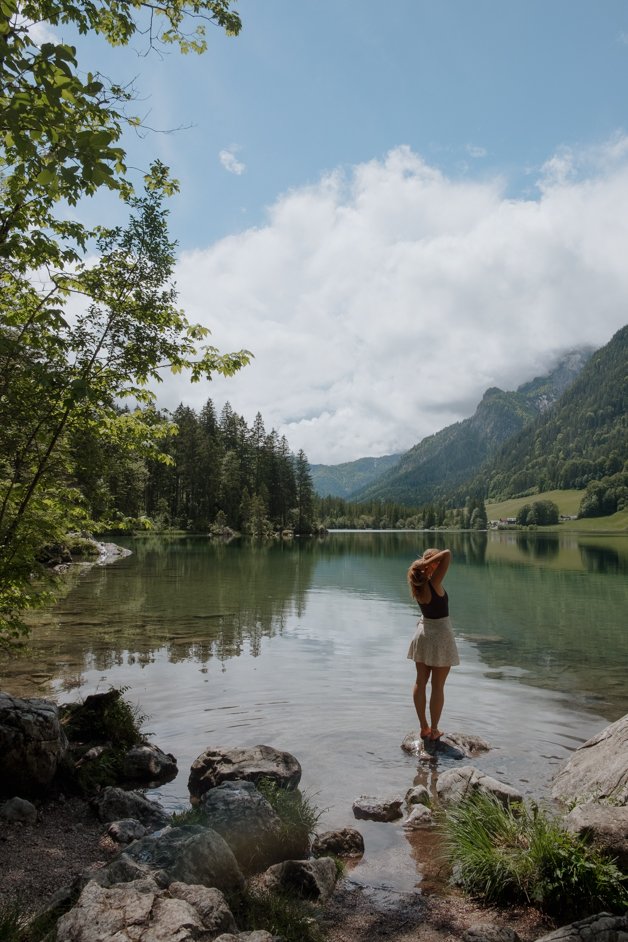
[18, 811]
[310, 879]
[455, 785]
[253, 831]
[142, 910]
[33, 745]
[115, 804]
[215, 766]
[188, 854]
[598, 769]
[604, 826]
[600, 928]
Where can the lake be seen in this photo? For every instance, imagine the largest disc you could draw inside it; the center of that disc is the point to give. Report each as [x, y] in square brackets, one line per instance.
[303, 645]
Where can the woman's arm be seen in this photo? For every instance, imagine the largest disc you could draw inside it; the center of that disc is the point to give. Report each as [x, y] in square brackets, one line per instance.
[437, 566]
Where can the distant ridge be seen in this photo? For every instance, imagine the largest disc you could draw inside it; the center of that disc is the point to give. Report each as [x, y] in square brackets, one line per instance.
[441, 463]
[341, 480]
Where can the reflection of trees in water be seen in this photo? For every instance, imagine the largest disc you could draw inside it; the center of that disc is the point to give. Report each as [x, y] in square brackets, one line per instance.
[468, 546]
[537, 545]
[607, 559]
[194, 597]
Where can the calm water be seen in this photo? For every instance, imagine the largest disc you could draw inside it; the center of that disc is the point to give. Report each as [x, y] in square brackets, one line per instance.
[303, 647]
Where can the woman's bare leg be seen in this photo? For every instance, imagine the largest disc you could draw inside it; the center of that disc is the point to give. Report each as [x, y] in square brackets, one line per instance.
[419, 694]
[437, 697]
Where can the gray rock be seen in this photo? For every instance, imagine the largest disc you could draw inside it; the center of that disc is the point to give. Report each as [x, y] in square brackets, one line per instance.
[455, 785]
[257, 935]
[486, 932]
[33, 745]
[418, 795]
[310, 879]
[603, 825]
[377, 809]
[599, 928]
[149, 765]
[419, 817]
[18, 811]
[253, 831]
[215, 766]
[209, 903]
[449, 746]
[345, 842]
[131, 912]
[115, 804]
[126, 830]
[598, 769]
[188, 854]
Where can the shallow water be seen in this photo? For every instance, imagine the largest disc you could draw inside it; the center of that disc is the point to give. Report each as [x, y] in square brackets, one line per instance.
[303, 646]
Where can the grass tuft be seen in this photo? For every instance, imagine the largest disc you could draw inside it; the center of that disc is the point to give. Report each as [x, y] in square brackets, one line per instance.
[521, 854]
[298, 814]
[290, 918]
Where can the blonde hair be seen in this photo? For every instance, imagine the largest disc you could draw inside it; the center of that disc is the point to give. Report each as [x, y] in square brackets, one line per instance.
[417, 577]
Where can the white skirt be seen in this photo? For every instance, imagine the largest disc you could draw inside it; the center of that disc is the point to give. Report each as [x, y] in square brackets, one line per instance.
[434, 643]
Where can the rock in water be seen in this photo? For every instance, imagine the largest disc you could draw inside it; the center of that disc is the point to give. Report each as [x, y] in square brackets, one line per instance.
[598, 769]
[215, 766]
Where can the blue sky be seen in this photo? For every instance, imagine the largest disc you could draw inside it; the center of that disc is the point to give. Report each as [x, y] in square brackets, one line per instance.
[394, 206]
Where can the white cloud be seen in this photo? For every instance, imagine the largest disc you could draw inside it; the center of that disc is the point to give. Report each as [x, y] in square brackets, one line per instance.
[381, 302]
[474, 151]
[230, 162]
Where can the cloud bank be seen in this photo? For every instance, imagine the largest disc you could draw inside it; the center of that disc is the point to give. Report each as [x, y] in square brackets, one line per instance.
[230, 162]
[382, 301]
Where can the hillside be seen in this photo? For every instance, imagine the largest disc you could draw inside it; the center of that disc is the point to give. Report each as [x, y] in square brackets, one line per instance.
[340, 480]
[442, 462]
[582, 438]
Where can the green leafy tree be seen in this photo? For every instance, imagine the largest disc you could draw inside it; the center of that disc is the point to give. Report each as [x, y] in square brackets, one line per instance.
[61, 130]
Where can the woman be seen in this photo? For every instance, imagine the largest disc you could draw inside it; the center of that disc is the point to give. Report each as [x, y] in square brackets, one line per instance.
[433, 647]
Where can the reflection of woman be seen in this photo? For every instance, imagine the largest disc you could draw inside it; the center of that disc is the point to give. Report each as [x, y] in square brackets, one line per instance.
[433, 647]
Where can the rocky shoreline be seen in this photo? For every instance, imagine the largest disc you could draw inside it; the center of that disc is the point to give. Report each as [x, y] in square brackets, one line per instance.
[112, 863]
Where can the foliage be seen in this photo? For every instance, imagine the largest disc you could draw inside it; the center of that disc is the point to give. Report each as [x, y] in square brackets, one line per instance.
[606, 496]
[539, 513]
[107, 718]
[63, 368]
[298, 814]
[521, 854]
[286, 917]
[12, 922]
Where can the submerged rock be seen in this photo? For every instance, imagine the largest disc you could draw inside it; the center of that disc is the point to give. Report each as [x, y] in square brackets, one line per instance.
[449, 746]
[378, 809]
[345, 842]
[149, 765]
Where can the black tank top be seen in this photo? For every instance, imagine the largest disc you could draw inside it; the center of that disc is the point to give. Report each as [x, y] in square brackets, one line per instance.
[437, 607]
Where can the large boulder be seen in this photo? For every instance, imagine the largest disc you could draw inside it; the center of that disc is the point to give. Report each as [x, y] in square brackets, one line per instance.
[33, 745]
[115, 804]
[142, 910]
[599, 928]
[605, 826]
[455, 785]
[598, 769]
[187, 854]
[215, 766]
[251, 828]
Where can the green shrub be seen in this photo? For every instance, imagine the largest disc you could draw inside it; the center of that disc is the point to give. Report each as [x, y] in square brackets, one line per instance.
[521, 854]
[291, 919]
[104, 718]
[298, 814]
[12, 922]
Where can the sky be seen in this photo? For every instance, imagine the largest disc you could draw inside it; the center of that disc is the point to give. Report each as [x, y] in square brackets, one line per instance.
[392, 206]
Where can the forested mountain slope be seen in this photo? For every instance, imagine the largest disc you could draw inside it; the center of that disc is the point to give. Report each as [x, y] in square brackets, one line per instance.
[340, 480]
[442, 462]
[582, 438]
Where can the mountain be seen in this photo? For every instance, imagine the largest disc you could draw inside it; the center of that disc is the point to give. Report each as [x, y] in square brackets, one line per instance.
[340, 480]
[583, 437]
[441, 463]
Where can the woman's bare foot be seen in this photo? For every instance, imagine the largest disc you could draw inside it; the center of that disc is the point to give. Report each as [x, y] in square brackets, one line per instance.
[426, 733]
[435, 735]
